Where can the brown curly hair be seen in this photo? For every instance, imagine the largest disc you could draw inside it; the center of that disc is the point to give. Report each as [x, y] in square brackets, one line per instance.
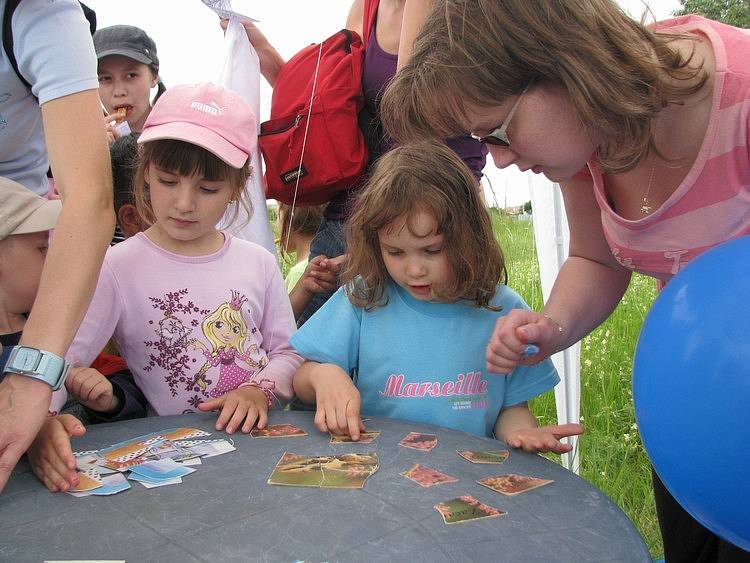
[428, 177]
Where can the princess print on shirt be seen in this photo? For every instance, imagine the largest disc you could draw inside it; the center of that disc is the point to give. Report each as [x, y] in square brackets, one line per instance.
[227, 332]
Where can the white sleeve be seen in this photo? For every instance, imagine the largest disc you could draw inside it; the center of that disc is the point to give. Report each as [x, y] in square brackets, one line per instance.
[53, 48]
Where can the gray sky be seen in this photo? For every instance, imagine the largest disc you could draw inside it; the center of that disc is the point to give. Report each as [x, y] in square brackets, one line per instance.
[190, 45]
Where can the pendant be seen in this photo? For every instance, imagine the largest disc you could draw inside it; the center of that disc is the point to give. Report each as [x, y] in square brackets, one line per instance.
[645, 207]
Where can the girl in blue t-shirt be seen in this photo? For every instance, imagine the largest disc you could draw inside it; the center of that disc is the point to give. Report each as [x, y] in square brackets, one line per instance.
[405, 337]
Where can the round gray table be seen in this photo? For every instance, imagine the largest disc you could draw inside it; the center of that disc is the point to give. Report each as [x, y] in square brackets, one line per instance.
[226, 511]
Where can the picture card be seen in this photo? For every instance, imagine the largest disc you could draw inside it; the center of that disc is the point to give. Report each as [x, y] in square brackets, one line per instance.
[345, 471]
[87, 481]
[364, 438]
[211, 448]
[162, 469]
[512, 484]
[465, 509]
[417, 441]
[484, 456]
[277, 431]
[427, 477]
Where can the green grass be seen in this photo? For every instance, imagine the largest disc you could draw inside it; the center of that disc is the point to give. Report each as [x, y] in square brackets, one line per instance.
[611, 454]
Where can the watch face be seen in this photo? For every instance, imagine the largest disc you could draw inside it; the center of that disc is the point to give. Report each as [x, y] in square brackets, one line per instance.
[27, 359]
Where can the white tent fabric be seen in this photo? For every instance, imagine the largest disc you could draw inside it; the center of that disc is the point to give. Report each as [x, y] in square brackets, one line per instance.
[551, 236]
[241, 73]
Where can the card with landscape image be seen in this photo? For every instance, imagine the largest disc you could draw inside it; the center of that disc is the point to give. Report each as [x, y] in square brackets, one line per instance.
[512, 484]
[427, 477]
[344, 471]
[484, 456]
[418, 441]
[366, 437]
[465, 509]
[277, 431]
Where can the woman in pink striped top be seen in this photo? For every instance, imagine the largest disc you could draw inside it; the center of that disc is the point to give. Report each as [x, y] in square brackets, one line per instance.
[646, 128]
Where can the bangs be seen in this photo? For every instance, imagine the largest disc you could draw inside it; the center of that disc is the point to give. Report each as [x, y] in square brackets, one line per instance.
[187, 159]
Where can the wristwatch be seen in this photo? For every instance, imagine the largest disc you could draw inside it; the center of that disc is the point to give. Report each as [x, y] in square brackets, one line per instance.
[38, 364]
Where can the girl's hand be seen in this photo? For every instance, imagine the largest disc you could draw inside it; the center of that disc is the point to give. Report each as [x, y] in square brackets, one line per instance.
[50, 454]
[512, 332]
[246, 404]
[92, 389]
[338, 402]
[319, 276]
[544, 438]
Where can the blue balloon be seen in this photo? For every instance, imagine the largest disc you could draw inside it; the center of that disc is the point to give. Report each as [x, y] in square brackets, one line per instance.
[691, 388]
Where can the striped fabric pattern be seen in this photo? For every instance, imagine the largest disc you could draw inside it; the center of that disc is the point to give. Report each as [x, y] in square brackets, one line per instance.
[712, 204]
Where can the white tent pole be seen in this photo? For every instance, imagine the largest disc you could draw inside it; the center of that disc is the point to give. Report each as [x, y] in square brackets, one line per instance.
[551, 238]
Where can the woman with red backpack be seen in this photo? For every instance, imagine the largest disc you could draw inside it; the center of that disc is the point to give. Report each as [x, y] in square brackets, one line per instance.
[383, 25]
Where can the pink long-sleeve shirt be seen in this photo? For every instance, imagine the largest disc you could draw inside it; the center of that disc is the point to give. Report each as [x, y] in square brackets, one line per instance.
[192, 328]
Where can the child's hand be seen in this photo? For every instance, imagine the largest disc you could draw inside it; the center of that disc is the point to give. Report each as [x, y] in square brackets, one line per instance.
[512, 332]
[544, 438]
[246, 403]
[92, 389]
[319, 275]
[50, 454]
[338, 403]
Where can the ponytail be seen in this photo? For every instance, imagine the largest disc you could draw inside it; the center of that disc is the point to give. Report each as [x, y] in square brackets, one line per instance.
[160, 89]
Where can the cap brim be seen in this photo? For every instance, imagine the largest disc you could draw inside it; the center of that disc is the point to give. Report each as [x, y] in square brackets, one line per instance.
[197, 135]
[43, 218]
[130, 53]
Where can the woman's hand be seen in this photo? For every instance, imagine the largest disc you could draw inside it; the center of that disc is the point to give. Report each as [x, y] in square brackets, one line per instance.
[511, 335]
[269, 58]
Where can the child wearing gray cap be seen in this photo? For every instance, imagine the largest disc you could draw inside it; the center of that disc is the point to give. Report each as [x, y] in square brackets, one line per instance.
[128, 68]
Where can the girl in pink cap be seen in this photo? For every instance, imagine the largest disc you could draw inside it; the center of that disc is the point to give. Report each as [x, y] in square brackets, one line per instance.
[202, 319]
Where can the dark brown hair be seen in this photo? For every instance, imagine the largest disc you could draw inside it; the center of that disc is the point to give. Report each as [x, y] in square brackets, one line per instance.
[185, 159]
[618, 73]
[427, 177]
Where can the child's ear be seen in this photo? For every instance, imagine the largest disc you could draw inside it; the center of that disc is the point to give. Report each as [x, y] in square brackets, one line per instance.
[129, 220]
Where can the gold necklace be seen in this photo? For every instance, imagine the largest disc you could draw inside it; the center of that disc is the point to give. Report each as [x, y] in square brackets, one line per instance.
[645, 206]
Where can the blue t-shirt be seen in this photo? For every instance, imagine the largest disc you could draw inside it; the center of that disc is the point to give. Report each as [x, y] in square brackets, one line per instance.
[421, 361]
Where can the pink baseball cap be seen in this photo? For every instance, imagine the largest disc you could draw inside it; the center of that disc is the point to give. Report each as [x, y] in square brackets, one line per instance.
[207, 115]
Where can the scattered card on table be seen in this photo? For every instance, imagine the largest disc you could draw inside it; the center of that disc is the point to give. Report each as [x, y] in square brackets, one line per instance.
[277, 431]
[87, 481]
[417, 441]
[364, 438]
[487, 456]
[465, 509]
[345, 471]
[513, 484]
[427, 477]
[161, 469]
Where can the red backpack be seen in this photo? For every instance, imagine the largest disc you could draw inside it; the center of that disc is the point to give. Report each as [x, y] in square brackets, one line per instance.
[325, 131]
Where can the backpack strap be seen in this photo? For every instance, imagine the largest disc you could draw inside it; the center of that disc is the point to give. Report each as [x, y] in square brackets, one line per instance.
[370, 13]
[10, 7]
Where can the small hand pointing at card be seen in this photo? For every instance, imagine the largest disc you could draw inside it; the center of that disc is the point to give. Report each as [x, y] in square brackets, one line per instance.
[239, 408]
[544, 438]
[337, 399]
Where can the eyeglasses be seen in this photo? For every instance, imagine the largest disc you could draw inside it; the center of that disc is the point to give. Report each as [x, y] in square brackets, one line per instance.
[499, 136]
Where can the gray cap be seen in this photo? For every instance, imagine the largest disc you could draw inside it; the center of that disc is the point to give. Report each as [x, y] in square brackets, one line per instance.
[128, 41]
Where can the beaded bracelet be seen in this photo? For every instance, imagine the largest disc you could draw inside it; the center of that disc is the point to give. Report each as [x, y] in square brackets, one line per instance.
[554, 322]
